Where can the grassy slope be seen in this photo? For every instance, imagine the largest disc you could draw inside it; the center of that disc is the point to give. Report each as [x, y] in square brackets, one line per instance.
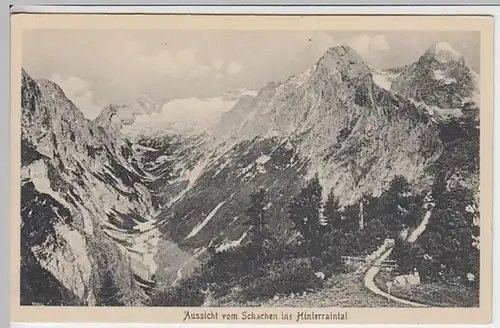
[435, 294]
[345, 290]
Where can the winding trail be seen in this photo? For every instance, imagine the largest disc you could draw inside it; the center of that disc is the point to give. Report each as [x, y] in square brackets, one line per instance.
[374, 269]
[370, 284]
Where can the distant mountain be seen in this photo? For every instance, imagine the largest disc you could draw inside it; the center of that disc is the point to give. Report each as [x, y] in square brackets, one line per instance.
[126, 115]
[439, 81]
[145, 105]
[333, 119]
[146, 190]
[327, 111]
[186, 115]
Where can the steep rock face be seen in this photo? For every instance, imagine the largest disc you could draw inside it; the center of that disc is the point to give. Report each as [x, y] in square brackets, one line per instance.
[81, 196]
[440, 80]
[173, 160]
[333, 119]
[343, 120]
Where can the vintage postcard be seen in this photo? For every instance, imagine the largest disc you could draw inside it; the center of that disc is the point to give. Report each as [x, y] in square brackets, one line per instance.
[252, 169]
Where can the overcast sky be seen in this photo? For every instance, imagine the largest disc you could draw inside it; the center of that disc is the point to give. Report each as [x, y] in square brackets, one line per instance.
[98, 67]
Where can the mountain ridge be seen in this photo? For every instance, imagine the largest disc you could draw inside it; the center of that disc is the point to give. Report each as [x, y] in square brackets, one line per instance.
[148, 208]
[90, 190]
[333, 120]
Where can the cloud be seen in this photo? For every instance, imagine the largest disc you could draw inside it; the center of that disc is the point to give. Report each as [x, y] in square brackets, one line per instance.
[369, 46]
[199, 71]
[78, 91]
[165, 62]
[184, 63]
[379, 43]
[176, 65]
[233, 68]
[217, 63]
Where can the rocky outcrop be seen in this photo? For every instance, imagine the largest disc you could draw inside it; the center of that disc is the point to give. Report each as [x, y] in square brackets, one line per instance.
[81, 196]
[439, 81]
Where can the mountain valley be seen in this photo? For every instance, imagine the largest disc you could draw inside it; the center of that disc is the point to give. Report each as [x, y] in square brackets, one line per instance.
[114, 208]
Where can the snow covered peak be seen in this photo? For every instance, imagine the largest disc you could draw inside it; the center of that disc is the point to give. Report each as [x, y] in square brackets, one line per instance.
[236, 94]
[444, 46]
[444, 53]
[147, 98]
[186, 115]
[145, 105]
[435, 76]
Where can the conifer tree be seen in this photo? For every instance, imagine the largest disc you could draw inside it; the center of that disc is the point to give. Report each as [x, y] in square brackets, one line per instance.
[108, 293]
[331, 211]
[305, 212]
[450, 242]
[256, 213]
[393, 204]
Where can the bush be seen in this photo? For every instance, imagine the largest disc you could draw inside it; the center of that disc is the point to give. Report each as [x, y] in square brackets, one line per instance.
[330, 270]
[223, 271]
[187, 293]
[448, 239]
[294, 276]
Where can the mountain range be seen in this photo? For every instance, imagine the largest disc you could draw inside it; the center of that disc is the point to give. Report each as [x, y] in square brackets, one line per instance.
[178, 116]
[138, 195]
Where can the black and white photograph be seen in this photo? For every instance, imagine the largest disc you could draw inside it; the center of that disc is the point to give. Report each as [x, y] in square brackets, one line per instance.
[250, 168]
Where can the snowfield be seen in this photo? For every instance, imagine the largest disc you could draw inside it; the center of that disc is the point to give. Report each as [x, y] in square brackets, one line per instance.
[203, 223]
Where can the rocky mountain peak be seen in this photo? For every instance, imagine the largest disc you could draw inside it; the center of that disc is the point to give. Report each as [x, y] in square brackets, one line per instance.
[31, 93]
[112, 117]
[50, 87]
[145, 105]
[118, 116]
[341, 68]
[78, 179]
[343, 51]
[439, 79]
[343, 59]
[443, 52]
[58, 96]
